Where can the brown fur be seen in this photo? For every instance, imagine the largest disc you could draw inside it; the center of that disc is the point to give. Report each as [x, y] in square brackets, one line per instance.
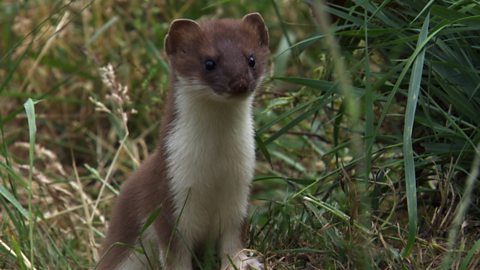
[190, 44]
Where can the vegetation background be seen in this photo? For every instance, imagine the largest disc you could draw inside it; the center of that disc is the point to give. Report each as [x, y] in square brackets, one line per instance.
[367, 128]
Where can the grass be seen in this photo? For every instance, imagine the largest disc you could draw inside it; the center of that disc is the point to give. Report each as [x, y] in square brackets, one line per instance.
[367, 129]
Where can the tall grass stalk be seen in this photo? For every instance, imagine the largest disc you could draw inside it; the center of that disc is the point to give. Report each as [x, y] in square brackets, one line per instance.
[369, 104]
[462, 210]
[342, 76]
[32, 131]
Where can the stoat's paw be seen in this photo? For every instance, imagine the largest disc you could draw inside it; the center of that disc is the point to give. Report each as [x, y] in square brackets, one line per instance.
[243, 262]
[252, 263]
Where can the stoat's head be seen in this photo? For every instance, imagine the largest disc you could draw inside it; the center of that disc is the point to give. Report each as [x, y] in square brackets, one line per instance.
[222, 59]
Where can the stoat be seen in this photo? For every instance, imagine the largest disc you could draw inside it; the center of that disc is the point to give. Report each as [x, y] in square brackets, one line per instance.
[199, 177]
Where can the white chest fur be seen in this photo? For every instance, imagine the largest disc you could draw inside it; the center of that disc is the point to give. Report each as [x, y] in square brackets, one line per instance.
[211, 158]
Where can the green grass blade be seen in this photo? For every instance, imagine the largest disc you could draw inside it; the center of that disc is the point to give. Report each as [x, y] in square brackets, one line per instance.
[410, 179]
[150, 219]
[9, 197]
[102, 30]
[466, 261]
[262, 147]
[298, 119]
[336, 212]
[320, 85]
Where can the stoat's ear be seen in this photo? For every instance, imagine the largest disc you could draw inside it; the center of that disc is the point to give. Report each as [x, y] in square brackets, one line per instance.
[182, 32]
[255, 21]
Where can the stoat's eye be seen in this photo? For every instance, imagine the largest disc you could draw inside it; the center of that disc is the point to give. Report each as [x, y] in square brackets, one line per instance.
[210, 65]
[251, 61]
